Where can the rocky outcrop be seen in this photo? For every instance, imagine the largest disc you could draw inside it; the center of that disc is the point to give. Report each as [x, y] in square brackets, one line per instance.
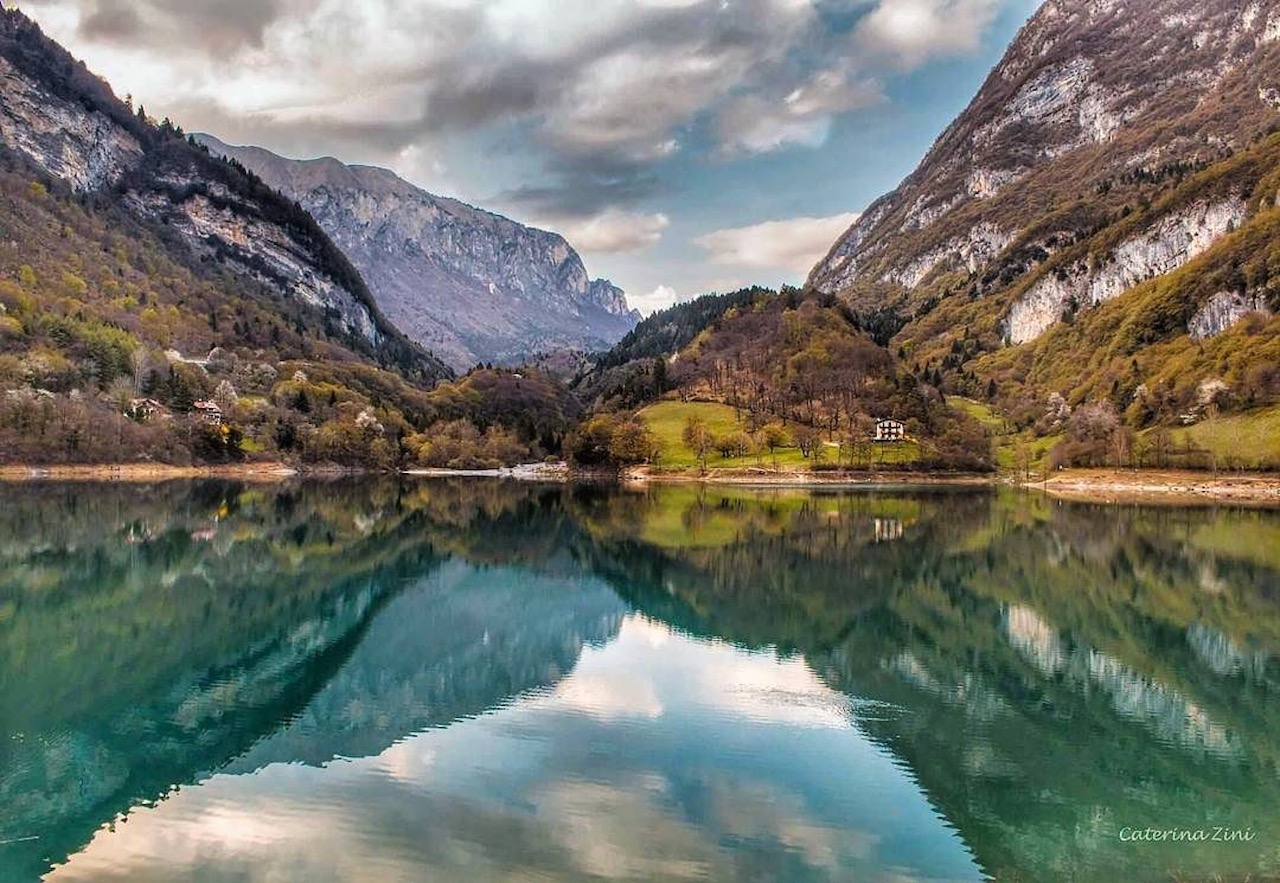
[470, 285]
[971, 251]
[88, 150]
[218, 224]
[1223, 310]
[1175, 240]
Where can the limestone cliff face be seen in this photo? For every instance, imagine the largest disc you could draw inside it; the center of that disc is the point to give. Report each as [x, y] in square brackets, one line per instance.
[1222, 311]
[1099, 109]
[1176, 239]
[64, 121]
[87, 150]
[470, 285]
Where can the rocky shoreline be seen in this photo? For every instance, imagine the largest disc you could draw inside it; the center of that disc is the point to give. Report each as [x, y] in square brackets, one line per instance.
[1163, 487]
[1083, 485]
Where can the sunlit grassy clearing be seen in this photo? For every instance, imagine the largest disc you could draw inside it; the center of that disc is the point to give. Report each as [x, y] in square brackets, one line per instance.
[667, 421]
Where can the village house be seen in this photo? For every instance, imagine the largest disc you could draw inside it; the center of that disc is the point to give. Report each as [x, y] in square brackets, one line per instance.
[209, 412]
[890, 431]
[146, 410]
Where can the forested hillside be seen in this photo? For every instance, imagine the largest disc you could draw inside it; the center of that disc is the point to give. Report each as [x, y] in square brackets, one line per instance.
[634, 370]
[157, 303]
[799, 373]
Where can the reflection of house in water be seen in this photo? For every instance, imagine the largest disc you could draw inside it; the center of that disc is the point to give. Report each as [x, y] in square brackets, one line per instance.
[889, 529]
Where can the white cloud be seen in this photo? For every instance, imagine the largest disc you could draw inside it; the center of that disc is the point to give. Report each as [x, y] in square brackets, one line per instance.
[754, 124]
[908, 33]
[794, 245]
[659, 299]
[613, 231]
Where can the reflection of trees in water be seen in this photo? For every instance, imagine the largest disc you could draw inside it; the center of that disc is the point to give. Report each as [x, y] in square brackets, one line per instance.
[1048, 672]
[1057, 672]
[152, 634]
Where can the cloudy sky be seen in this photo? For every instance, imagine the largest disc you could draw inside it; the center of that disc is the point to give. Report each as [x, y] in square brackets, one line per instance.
[682, 145]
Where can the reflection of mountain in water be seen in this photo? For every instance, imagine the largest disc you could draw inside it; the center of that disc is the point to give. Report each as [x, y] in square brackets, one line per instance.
[1048, 674]
[133, 667]
[1047, 679]
[152, 636]
[464, 641]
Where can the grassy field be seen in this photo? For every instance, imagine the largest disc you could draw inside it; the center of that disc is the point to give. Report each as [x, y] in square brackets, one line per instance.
[1248, 441]
[667, 421]
[1240, 441]
[1007, 444]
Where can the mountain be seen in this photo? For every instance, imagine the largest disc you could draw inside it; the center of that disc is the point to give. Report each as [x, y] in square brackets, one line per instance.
[1097, 223]
[470, 285]
[139, 276]
[67, 123]
[625, 375]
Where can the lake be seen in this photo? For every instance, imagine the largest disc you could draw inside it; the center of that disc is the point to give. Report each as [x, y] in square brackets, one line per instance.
[470, 680]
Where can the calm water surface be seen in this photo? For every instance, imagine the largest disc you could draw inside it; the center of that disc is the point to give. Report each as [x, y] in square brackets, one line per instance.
[476, 681]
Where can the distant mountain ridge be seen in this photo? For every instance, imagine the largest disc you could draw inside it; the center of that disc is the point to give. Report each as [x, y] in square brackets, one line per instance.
[470, 285]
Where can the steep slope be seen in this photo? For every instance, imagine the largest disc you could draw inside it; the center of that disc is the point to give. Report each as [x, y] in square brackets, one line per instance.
[1117, 149]
[471, 285]
[160, 304]
[67, 123]
[634, 370]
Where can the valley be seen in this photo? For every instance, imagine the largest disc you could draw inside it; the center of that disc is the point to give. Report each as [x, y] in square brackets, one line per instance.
[852, 518]
[1103, 300]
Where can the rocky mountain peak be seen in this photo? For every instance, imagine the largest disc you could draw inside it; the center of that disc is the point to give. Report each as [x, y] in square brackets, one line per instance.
[1090, 98]
[471, 285]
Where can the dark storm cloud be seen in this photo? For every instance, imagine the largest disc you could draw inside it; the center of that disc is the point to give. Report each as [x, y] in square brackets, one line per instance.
[213, 27]
[575, 190]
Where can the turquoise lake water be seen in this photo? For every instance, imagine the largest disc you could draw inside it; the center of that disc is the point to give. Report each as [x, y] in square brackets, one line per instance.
[481, 681]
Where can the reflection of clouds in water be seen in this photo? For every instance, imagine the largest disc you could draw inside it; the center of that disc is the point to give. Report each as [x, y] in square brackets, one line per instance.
[408, 763]
[752, 811]
[769, 690]
[659, 758]
[624, 832]
[613, 682]
[630, 695]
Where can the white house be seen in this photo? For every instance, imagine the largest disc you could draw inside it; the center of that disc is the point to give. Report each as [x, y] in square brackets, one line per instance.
[890, 430]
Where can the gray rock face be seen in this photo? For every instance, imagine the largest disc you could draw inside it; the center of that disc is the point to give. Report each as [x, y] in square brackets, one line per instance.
[470, 285]
[58, 117]
[87, 150]
[1173, 242]
[1223, 310]
[1091, 97]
